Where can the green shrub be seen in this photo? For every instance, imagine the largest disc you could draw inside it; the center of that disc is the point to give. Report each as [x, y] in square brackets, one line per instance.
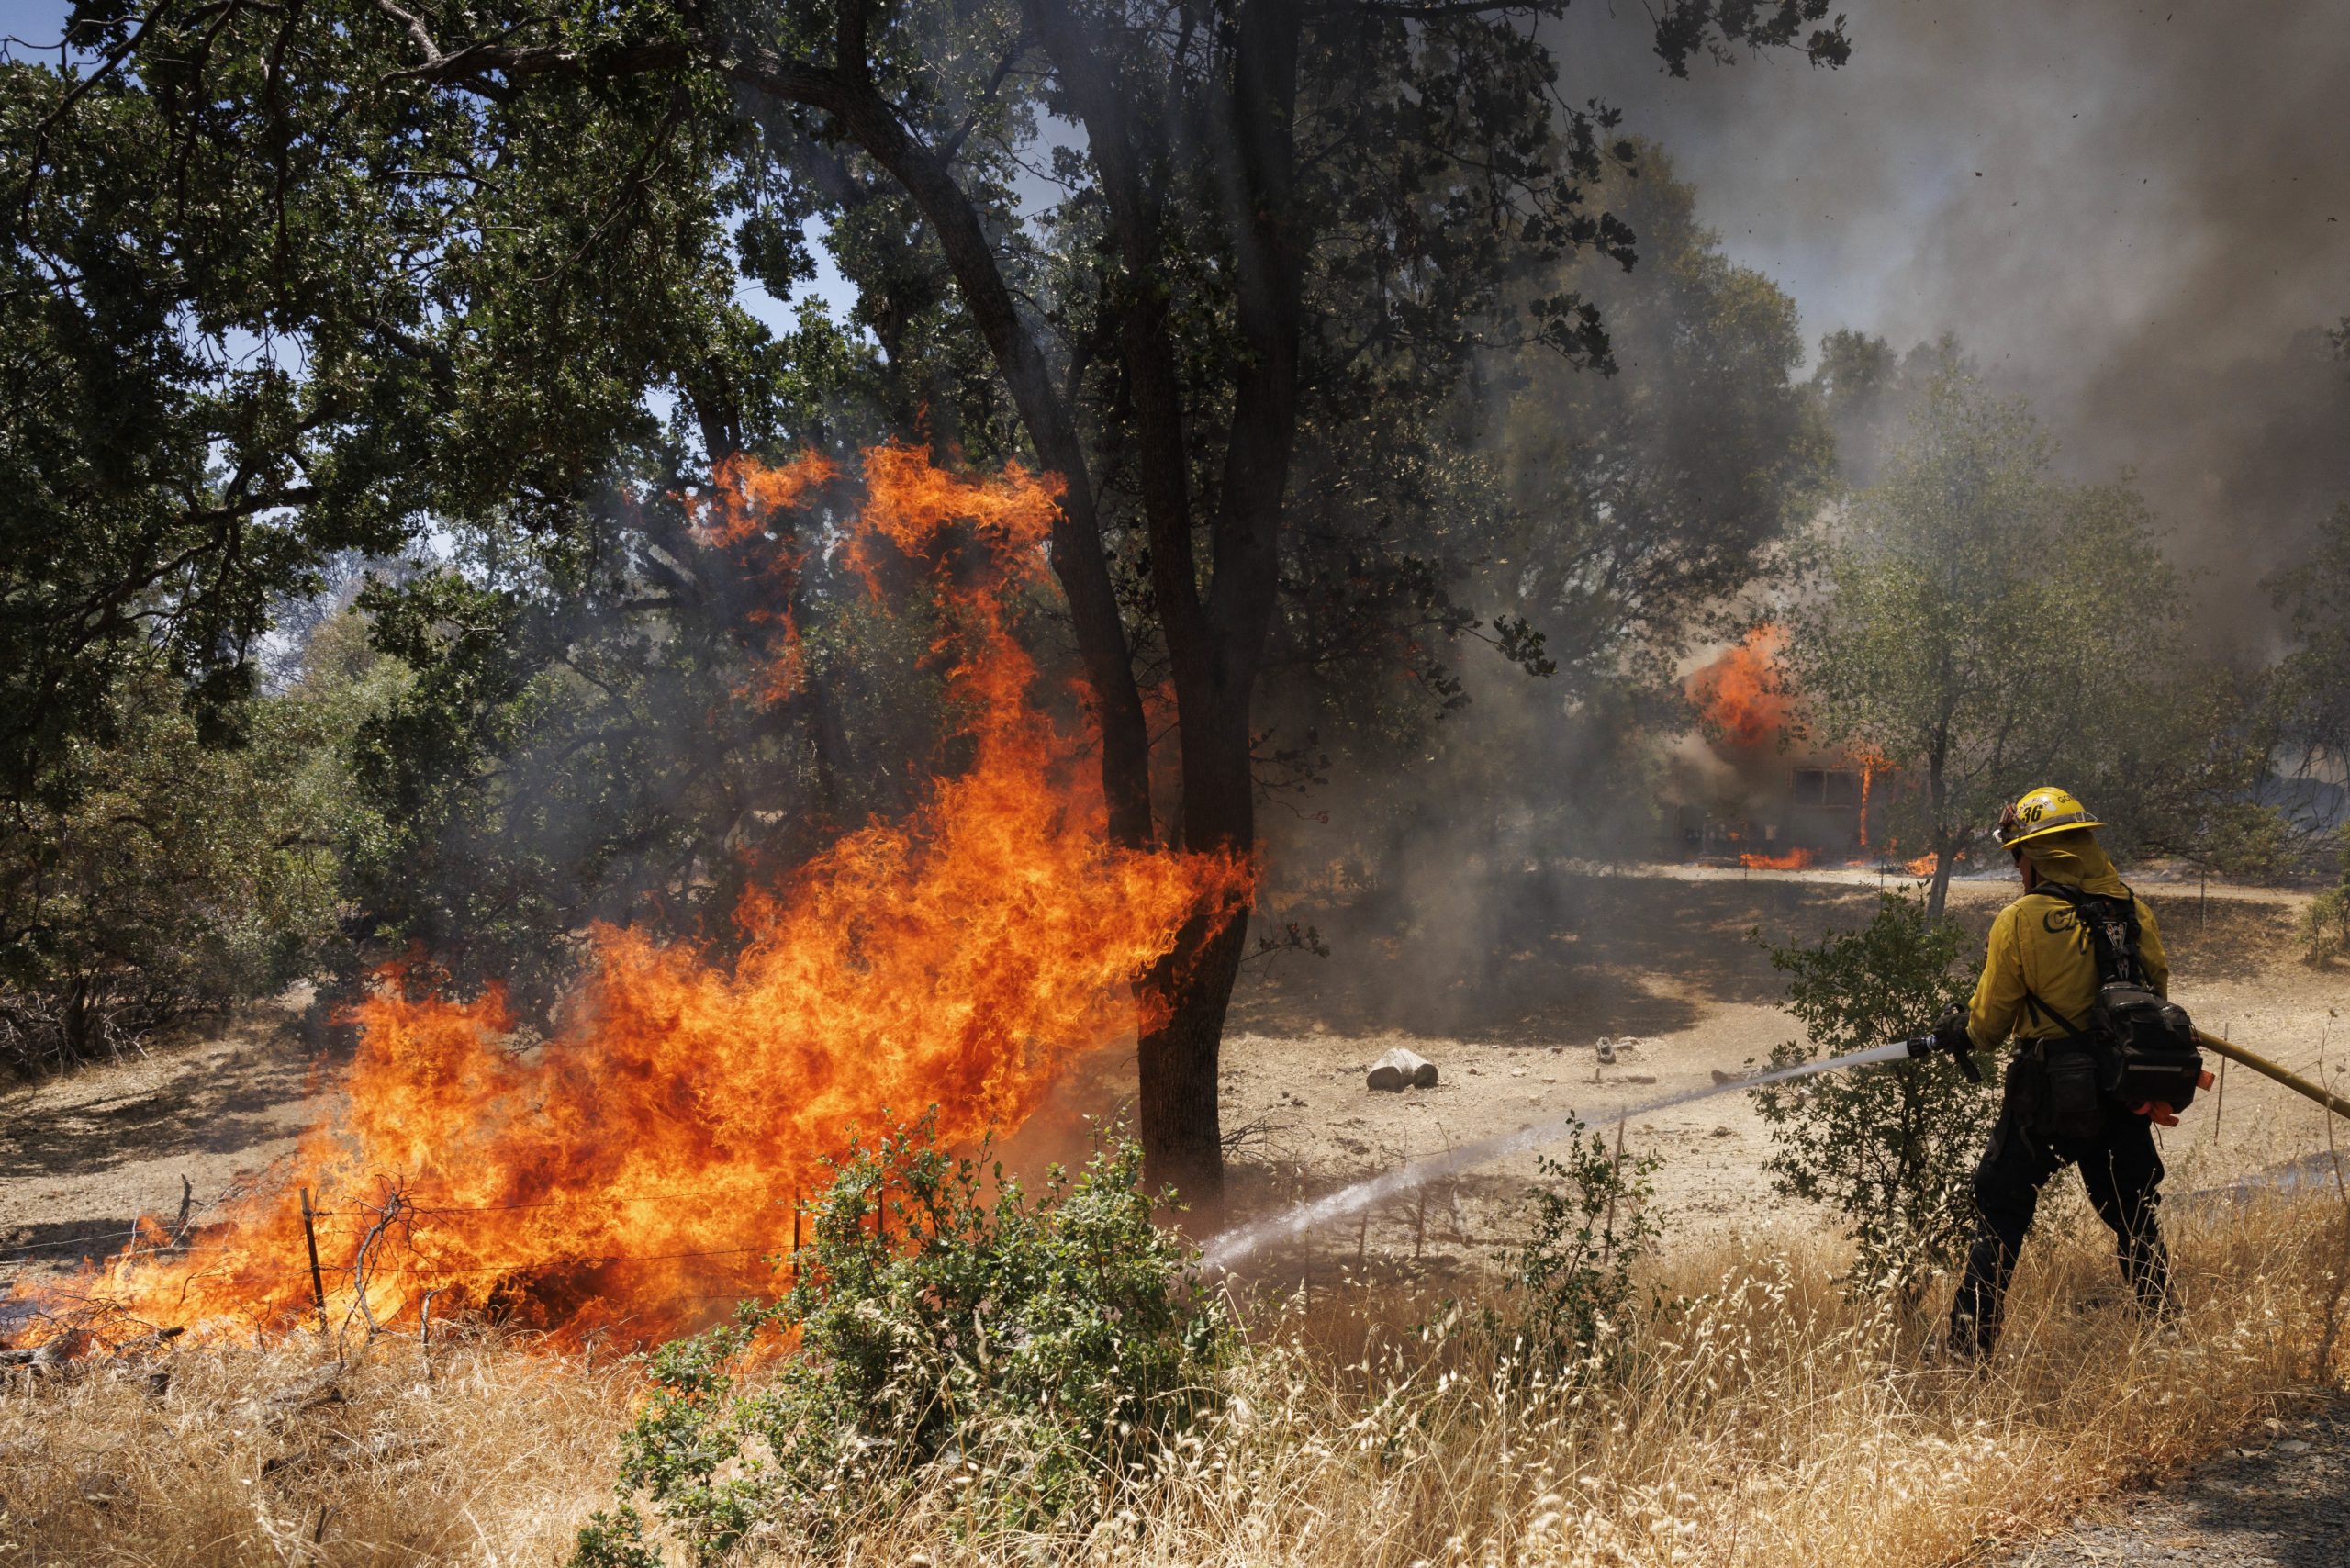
[1041, 1348]
[615, 1540]
[1592, 1228]
[158, 878]
[1891, 1149]
[2325, 925]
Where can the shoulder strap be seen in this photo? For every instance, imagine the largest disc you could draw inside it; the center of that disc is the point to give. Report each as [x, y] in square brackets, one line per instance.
[2073, 1031]
[2113, 927]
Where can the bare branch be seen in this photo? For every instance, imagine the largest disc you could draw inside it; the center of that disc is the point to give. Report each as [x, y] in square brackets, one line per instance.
[413, 25]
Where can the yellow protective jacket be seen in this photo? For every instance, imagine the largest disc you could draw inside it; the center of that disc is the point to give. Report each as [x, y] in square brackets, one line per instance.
[2037, 946]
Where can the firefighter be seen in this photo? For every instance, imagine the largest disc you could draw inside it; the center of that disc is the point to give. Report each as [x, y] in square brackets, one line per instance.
[2039, 979]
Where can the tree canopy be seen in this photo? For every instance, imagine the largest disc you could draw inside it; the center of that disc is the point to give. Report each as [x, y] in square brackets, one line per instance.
[2309, 690]
[1984, 627]
[263, 299]
[300, 280]
[1587, 526]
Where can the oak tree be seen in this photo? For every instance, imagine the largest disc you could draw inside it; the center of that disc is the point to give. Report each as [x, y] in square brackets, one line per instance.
[1267, 207]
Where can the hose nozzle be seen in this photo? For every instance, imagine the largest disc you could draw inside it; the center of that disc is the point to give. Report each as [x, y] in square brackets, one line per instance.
[1951, 1038]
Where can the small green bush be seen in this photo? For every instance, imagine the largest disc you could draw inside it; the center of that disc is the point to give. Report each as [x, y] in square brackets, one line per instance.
[1592, 1229]
[1890, 1148]
[2325, 925]
[615, 1540]
[1041, 1348]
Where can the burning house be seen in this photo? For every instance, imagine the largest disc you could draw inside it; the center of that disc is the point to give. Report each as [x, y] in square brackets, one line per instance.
[1745, 785]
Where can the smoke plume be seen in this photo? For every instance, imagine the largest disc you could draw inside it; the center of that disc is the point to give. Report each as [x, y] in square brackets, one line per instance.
[2136, 215]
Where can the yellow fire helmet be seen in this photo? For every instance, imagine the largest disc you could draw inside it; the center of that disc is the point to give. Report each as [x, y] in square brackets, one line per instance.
[2042, 810]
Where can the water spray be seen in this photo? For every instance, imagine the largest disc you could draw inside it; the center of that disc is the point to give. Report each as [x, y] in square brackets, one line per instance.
[1234, 1245]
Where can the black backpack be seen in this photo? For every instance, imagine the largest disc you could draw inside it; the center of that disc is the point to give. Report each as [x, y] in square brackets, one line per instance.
[2143, 1043]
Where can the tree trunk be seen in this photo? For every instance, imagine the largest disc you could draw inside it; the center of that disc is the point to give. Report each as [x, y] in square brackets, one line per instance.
[1181, 1125]
[1938, 796]
[1214, 642]
[74, 1031]
[1179, 1122]
[1938, 889]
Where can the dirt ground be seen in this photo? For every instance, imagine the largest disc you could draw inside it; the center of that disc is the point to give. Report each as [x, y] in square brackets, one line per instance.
[1673, 959]
[1510, 1008]
[2282, 1500]
[82, 1156]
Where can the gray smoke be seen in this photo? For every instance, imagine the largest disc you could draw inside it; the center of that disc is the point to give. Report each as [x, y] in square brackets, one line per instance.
[2136, 215]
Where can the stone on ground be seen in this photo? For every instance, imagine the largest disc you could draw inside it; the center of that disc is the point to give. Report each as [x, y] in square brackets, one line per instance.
[1400, 1068]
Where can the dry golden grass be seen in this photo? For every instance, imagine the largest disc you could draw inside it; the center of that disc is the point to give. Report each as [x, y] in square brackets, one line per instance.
[1764, 1423]
[281, 1455]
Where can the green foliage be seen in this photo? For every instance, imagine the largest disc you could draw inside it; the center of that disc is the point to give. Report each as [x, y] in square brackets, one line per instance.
[1638, 500]
[263, 298]
[615, 1540]
[2308, 689]
[1890, 1148]
[2246, 839]
[1584, 526]
[1040, 1348]
[2180, 772]
[594, 734]
[180, 877]
[1591, 1230]
[2324, 929]
[1986, 629]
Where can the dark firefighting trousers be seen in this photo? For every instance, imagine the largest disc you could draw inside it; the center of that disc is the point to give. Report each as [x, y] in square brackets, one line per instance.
[2120, 1171]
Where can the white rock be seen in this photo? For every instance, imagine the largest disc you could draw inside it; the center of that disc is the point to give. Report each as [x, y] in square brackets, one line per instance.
[1400, 1068]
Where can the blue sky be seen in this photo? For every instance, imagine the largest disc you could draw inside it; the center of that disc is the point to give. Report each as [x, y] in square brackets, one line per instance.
[38, 21]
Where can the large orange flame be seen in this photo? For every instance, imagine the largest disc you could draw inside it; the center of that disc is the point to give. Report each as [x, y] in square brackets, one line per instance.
[1740, 695]
[1793, 860]
[643, 1162]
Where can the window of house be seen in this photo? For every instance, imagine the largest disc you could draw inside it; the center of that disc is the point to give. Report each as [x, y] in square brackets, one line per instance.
[1833, 787]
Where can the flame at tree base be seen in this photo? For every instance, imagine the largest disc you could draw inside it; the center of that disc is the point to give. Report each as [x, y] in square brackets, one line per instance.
[640, 1168]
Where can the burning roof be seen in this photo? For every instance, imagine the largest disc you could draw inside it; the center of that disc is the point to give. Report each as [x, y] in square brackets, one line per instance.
[1740, 697]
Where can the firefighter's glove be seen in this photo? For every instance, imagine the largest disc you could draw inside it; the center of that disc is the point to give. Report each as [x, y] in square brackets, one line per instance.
[1950, 1036]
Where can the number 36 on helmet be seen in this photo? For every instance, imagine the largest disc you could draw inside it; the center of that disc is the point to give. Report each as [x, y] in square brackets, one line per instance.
[2042, 810]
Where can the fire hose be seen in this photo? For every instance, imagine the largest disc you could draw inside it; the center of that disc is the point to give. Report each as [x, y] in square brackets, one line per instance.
[1925, 1045]
[2267, 1068]
[1227, 1249]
